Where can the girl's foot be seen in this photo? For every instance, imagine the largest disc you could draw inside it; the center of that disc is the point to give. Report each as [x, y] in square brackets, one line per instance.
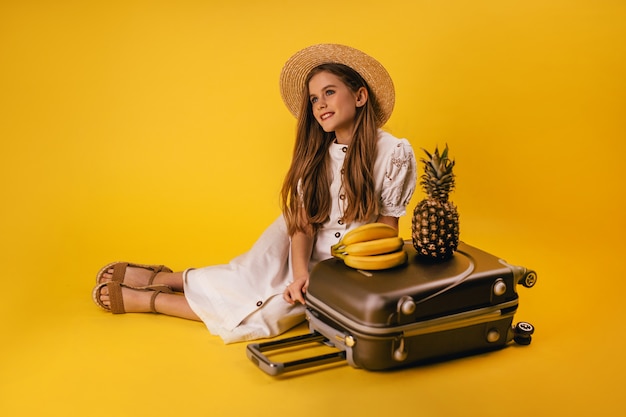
[132, 275]
[119, 298]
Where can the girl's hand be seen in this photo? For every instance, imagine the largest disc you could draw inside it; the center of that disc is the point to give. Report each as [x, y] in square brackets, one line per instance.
[295, 291]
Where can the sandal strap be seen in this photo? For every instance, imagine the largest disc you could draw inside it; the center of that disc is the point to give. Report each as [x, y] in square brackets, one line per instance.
[157, 289]
[115, 296]
[156, 269]
[153, 302]
[119, 271]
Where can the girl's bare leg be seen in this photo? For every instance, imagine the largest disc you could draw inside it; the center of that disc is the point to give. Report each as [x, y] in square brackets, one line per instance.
[138, 301]
[174, 305]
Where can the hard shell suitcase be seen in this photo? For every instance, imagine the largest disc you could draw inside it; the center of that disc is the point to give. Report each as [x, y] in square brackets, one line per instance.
[380, 320]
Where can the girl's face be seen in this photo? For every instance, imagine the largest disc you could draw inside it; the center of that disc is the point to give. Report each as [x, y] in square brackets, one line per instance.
[334, 104]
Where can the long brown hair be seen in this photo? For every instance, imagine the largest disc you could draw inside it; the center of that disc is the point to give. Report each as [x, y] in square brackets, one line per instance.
[305, 195]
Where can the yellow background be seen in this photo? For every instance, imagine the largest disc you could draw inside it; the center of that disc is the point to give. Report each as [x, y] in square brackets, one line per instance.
[153, 131]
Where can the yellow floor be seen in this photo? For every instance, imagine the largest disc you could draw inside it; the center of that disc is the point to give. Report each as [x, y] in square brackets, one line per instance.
[154, 132]
[62, 356]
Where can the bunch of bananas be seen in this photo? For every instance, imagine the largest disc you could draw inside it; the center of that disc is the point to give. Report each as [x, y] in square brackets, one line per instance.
[373, 246]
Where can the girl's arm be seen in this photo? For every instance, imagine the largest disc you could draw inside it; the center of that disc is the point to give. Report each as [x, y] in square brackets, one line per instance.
[391, 221]
[301, 250]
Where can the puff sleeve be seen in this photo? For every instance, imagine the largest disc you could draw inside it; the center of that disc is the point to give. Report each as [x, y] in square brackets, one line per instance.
[399, 178]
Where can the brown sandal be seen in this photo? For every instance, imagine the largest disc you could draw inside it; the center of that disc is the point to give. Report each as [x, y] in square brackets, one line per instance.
[117, 301]
[119, 271]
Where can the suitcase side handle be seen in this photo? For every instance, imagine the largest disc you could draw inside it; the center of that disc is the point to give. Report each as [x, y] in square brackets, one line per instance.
[256, 353]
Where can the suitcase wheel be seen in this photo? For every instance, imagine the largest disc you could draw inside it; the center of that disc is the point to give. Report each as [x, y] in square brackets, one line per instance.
[523, 333]
[529, 279]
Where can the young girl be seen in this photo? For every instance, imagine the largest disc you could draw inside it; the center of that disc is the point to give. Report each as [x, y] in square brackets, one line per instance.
[345, 172]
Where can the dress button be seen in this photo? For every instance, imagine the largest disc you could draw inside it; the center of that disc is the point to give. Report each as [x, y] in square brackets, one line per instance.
[340, 222]
[344, 149]
[337, 235]
[259, 303]
[342, 197]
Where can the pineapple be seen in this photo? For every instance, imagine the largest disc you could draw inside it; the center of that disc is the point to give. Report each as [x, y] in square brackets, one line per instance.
[435, 218]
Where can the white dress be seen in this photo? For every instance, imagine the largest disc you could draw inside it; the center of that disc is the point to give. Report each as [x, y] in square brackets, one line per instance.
[243, 300]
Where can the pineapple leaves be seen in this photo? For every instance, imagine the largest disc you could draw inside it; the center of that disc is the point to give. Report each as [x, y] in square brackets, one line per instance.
[444, 155]
[438, 178]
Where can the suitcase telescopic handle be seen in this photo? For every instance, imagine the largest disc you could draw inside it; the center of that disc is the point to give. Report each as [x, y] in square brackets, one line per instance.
[256, 353]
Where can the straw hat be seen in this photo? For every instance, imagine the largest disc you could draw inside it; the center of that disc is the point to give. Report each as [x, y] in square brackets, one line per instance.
[297, 68]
